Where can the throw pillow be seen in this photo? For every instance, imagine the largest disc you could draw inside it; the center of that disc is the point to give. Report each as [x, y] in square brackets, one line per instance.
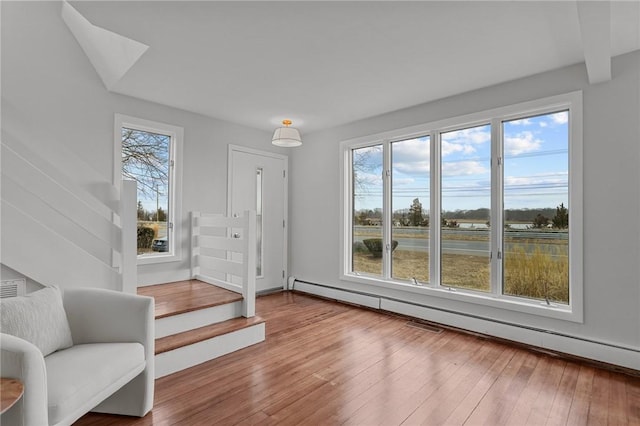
[38, 318]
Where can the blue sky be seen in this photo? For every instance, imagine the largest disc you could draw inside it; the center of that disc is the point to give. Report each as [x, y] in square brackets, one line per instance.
[535, 167]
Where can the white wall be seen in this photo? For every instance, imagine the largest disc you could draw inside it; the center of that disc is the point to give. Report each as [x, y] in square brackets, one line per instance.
[54, 102]
[611, 198]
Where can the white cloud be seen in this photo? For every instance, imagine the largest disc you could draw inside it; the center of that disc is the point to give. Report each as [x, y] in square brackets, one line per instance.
[521, 143]
[463, 168]
[464, 141]
[521, 122]
[560, 117]
[554, 179]
[447, 148]
[412, 167]
[412, 148]
[411, 156]
[474, 135]
[406, 181]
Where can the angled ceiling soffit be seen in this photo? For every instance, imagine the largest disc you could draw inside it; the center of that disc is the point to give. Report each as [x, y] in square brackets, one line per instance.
[111, 54]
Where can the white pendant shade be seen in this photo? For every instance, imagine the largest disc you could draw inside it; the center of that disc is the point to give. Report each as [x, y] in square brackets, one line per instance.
[286, 136]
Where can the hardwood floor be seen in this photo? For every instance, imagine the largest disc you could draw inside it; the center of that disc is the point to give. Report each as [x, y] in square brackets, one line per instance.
[325, 363]
[185, 296]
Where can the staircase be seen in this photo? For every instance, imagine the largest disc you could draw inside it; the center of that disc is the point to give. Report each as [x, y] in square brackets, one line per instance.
[60, 230]
[197, 322]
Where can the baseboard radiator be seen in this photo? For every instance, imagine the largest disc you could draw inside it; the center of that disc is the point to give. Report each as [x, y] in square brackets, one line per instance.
[613, 354]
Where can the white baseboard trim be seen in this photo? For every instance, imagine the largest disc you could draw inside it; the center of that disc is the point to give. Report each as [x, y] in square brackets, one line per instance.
[333, 293]
[189, 320]
[187, 356]
[589, 349]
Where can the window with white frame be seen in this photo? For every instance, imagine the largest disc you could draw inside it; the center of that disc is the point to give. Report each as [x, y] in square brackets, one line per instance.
[485, 208]
[149, 154]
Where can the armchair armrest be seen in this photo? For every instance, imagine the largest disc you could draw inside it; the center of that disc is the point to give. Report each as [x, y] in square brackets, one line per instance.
[105, 316]
[22, 360]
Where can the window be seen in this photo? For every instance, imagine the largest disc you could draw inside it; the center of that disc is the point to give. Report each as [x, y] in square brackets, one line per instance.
[149, 154]
[485, 208]
[410, 188]
[536, 203]
[367, 210]
[465, 193]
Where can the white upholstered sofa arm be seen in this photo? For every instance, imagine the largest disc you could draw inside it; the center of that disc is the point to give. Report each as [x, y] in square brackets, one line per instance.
[22, 360]
[104, 316]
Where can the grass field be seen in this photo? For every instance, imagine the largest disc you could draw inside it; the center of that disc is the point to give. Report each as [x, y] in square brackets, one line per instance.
[536, 274]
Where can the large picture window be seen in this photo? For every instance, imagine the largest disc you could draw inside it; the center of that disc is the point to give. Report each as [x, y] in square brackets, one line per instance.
[149, 153]
[484, 208]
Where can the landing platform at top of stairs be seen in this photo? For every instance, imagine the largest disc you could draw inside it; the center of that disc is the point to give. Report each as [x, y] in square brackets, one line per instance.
[186, 296]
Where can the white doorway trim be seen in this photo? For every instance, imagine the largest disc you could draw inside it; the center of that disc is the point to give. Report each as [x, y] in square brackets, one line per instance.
[285, 161]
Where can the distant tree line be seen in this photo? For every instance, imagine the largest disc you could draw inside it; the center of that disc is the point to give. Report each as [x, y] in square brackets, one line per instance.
[151, 215]
[415, 216]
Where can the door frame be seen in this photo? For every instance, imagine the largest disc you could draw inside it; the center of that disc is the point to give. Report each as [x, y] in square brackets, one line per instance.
[285, 182]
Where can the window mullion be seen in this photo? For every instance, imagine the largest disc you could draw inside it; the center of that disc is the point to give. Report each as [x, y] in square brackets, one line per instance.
[435, 210]
[497, 189]
[386, 209]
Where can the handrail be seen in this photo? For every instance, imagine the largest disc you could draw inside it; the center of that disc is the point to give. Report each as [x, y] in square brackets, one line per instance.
[48, 196]
[235, 237]
[36, 161]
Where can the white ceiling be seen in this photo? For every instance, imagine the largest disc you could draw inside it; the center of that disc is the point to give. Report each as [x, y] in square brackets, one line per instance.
[327, 63]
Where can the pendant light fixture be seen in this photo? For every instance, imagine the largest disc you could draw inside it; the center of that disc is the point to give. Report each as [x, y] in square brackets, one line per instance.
[286, 136]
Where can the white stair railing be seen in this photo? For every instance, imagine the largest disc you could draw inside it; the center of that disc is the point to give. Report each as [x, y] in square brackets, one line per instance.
[223, 253]
[57, 232]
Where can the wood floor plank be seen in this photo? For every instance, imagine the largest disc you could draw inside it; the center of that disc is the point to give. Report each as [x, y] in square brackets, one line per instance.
[497, 404]
[599, 401]
[616, 410]
[561, 404]
[579, 411]
[532, 407]
[632, 408]
[476, 394]
[325, 363]
[434, 411]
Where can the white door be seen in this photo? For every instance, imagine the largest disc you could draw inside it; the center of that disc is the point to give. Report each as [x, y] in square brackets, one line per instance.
[258, 181]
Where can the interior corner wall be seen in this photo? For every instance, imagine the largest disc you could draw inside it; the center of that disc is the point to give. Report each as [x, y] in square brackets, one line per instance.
[611, 198]
[53, 100]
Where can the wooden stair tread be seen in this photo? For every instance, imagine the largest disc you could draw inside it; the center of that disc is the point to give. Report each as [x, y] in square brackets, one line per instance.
[190, 337]
[186, 296]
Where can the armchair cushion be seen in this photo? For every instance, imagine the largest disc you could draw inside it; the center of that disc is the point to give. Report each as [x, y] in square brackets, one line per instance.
[84, 375]
[38, 318]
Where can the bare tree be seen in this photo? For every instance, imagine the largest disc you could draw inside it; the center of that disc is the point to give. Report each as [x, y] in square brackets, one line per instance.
[145, 159]
[365, 162]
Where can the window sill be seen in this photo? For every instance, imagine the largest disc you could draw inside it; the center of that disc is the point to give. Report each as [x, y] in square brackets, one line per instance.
[158, 258]
[533, 307]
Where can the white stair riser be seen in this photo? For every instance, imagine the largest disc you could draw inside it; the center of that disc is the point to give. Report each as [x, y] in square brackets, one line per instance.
[196, 319]
[187, 356]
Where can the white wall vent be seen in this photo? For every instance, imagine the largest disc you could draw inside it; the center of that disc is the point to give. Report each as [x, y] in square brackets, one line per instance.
[12, 288]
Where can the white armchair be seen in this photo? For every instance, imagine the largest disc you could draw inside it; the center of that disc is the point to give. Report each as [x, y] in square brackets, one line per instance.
[108, 369]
